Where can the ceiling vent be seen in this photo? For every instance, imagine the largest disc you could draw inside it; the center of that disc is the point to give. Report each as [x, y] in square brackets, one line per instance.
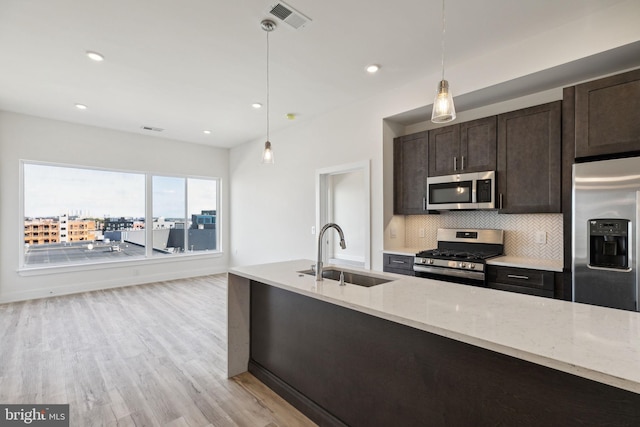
[152, 128]
[289, 15]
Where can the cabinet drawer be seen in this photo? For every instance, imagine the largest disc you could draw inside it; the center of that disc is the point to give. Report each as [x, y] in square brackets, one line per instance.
[402, 264]
[522, 280]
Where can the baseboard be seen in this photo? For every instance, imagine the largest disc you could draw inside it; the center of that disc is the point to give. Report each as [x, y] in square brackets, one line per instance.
[308, 407]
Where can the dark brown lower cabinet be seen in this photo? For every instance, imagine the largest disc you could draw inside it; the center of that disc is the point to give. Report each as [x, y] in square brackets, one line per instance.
[342, 367]
[399, 264]
[521, 280]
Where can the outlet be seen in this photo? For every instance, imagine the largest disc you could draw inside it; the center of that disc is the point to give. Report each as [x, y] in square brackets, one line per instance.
[541, 237]
[393, 232]
[421, 232]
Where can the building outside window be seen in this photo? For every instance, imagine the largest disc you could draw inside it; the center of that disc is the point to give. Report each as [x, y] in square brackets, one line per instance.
[74, 215]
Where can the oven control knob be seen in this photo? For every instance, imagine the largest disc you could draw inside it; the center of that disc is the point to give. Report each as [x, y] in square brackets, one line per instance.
[430, 261]
[472, 266]
[463, 265]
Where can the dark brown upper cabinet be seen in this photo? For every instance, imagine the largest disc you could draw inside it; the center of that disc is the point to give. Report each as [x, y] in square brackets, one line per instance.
[607, 115]
[529, 160]
[410, 174]
[464, 147]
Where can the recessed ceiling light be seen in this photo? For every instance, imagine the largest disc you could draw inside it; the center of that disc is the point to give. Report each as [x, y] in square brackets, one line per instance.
[373, 68]
[256, 105]
[206, 132]
[81, 106]
[290, 116]
[95, 56]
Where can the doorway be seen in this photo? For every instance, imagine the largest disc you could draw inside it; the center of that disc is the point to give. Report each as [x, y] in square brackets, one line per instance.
[343, 197]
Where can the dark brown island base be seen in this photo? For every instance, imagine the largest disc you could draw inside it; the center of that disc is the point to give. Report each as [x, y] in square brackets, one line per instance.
[343, 367]
[422, 352]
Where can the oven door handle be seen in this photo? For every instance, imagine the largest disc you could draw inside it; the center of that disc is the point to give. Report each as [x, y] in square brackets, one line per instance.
[449, 272]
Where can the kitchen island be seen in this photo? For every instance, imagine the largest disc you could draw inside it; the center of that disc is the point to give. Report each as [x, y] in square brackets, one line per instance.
[492, 354]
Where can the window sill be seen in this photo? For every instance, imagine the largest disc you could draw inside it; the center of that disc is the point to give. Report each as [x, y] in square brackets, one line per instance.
[108, 265]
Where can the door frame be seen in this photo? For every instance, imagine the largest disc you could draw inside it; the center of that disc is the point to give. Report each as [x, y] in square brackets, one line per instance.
[323, 201]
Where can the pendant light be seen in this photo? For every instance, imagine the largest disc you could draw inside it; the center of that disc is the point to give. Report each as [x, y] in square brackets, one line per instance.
[443, 108]
[267, 155]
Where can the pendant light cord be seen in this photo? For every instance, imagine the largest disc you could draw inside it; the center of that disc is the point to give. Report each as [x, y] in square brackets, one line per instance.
[443, 31]
[267, 85]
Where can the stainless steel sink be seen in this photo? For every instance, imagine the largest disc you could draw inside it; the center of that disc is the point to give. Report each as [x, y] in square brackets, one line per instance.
[349, 277]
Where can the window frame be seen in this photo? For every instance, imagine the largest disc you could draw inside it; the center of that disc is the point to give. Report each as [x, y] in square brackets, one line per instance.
[148, 257]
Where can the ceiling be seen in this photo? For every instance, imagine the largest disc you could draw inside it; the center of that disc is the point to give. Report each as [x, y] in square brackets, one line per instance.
[195, 65]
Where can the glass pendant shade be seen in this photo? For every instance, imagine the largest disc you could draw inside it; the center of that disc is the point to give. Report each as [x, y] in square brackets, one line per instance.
[267, 154]
[443, 109]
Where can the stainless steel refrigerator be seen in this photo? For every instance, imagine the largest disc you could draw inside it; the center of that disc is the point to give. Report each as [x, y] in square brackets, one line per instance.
[606, 200]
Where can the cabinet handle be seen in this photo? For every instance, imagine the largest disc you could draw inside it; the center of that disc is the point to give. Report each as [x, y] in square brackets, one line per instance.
[517, 276]
[424, 203]
[500, 200]
[455, 163]
[395, 261]
[462, 168]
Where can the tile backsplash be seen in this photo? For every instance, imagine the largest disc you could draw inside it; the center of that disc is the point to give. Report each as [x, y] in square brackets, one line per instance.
[519, 231]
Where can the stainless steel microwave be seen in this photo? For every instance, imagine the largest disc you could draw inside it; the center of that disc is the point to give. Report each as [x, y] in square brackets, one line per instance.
[462, 191]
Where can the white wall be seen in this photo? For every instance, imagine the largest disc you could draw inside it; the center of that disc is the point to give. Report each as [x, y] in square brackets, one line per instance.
[273, 207]
[30, 138]
[348, 210]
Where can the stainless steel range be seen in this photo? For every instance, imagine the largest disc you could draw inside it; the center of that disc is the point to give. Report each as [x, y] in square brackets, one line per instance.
[460, 256]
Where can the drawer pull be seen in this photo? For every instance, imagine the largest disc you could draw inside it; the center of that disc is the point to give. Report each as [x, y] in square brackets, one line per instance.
[395, 261]
[516, 276]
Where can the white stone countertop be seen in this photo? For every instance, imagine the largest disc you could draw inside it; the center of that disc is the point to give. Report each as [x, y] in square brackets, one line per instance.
[593, 342]
[403, 251]
[532, 263]
[506, 261]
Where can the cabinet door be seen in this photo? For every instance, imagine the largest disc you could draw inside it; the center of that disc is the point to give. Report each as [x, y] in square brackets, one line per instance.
[478, 145]
[521, 280]
[529, 160]
[607, 115]
[444, 151]
[410, 174]
[400, 264]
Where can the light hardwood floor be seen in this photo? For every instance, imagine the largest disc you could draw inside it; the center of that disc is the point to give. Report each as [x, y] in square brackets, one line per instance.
[148, 355]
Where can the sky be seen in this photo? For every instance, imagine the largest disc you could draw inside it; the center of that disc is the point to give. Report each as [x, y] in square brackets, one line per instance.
[54, 190]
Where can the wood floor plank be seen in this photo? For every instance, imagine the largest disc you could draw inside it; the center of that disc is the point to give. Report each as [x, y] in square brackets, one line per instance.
[147, 355]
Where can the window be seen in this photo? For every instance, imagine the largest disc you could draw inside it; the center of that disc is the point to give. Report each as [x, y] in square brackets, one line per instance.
[184, 215]
[100, 215]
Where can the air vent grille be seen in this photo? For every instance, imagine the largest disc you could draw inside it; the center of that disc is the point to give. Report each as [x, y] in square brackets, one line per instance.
[279, 11]
[289, 15]
[151, 128]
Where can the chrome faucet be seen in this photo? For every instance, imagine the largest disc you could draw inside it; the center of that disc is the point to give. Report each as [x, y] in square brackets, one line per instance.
[343, 245]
